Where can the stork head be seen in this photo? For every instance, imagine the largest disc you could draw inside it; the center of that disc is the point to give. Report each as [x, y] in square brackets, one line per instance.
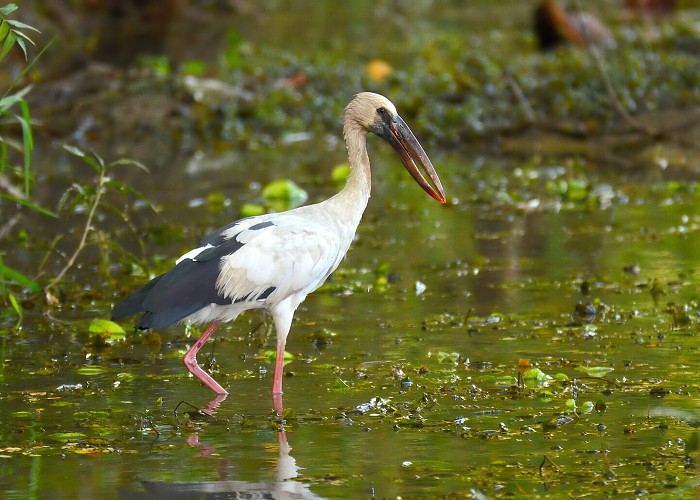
[377, 114]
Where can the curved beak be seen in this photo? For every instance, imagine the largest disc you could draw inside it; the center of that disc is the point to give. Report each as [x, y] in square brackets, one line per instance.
[411, 152]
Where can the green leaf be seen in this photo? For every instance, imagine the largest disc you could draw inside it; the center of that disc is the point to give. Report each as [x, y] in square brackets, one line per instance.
[340, 173]
[545, 396]
[535, 376]
[15, 305]
[64, 437]
[271, 356]
[8, 9]
[595, 371]
[120, 186]
[21, 25]
[586, 407]
[4, 30]
[8, 101]
[21, 43]
[29, 204]
[284, 190]
[95, 161]
[128, 161]
[447, 357]
[9, 274]
[75, 151]
[8, 44]
[252, 209]
[105, 326]
[91, 370]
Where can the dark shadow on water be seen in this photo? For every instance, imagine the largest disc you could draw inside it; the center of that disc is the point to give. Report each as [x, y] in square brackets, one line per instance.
[282, 488]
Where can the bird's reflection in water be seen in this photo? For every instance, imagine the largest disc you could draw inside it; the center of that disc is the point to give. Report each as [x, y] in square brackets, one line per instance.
[282, 488]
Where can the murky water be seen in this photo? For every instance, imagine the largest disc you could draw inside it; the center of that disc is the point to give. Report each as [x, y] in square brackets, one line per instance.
[383, 410]
[436, 312]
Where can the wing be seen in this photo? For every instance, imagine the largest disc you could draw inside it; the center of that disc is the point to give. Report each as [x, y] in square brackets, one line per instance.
[292, 254]
[260, 259]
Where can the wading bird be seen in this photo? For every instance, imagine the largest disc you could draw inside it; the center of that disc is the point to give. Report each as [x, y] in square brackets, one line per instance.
[274, 261]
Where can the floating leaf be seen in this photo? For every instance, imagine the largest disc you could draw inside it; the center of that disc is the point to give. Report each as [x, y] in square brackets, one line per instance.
[535, 376]
[284, 190]
[586, 407]
[252, 209]
[125, 377]
[270, 357]
[595, 371]
[64, 437]
[91, 370]
[448, 357]
[110, 330]
[340, 173]
[105, 326]
[545, 396]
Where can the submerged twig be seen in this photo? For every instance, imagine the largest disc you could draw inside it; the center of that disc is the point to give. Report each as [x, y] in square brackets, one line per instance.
[545, 460]
[183, 402]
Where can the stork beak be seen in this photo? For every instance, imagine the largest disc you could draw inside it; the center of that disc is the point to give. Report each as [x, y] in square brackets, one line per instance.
[411, 152]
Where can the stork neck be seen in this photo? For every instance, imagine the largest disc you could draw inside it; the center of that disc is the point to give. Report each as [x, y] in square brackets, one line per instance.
[359, 183]
[350, 203]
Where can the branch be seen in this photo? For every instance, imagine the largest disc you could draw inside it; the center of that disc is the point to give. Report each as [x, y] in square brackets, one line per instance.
[86, 231]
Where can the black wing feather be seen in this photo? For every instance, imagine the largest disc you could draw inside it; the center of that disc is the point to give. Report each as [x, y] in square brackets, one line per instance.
[134, 303]
[184, 290]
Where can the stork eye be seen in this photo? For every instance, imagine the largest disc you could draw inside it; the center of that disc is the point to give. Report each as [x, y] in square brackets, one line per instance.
[382, 112]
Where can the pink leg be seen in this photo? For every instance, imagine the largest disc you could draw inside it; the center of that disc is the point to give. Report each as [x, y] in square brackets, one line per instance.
[190, 361]
[277, 378]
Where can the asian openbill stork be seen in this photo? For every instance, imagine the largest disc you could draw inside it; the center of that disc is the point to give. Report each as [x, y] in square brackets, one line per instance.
[274, 261]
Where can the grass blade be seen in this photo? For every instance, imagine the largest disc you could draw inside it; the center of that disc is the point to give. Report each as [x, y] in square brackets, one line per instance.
[13, 276]
[30, 205]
